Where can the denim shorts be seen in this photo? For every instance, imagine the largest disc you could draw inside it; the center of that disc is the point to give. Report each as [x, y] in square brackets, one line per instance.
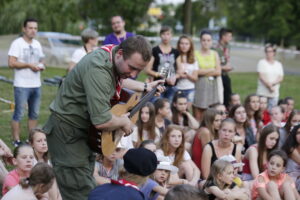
[189, 94]
[23, 96]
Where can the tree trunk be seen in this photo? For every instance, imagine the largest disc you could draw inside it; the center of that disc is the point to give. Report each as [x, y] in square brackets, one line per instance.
[187, 13]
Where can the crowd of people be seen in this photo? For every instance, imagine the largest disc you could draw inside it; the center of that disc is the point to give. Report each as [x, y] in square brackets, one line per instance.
[196, 139]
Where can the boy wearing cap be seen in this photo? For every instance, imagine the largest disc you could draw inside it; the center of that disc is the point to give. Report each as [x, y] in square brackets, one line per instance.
[139, 164]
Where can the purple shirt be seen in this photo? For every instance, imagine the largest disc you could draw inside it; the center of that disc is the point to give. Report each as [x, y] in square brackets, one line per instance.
[112, 39]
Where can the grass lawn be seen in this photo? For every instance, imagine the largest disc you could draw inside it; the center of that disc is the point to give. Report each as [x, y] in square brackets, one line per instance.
[243, 83]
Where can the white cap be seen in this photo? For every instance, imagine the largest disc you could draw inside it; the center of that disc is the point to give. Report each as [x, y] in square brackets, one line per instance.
[232, 160]
[165, 163]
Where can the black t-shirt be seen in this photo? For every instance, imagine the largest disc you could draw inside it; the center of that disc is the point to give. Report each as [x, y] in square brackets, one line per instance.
[164, 61]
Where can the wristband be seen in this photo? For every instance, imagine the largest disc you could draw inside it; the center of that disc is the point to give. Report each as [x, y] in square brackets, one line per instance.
[145, 87]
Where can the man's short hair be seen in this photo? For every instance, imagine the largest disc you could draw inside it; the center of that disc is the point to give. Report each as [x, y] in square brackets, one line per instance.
[87, 34]
[136, 44]
[117, 16]
[29, 20]
[186, 192]
[165, 29]
[224, 31]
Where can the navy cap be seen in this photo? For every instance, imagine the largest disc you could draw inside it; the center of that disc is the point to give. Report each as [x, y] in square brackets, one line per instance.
[140, 161]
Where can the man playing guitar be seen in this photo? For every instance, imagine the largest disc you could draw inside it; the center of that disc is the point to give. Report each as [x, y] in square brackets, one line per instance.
[84, 99]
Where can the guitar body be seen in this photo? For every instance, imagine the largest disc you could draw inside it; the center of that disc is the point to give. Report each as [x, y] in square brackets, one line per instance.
[106, 142]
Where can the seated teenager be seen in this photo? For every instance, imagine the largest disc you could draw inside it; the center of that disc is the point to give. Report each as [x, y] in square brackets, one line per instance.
[220, 147]
[172, 146]
[255, 158]
[182, 117]
[207, 132]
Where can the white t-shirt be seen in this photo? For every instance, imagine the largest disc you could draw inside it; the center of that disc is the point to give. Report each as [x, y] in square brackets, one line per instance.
[78, 54]
[184, 83]
[186, 155]
[26, 53]
[271, 72]
[18, 192]
[135, 135]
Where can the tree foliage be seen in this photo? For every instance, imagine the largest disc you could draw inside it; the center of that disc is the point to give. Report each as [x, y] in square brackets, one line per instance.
[272, 20]
[69, 16]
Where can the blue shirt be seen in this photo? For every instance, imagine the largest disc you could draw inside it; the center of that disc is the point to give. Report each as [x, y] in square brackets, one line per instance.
[112, 39]
[115, 192]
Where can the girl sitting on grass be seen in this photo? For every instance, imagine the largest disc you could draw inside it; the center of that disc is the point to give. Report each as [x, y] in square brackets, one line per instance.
[220, 185]
[273, 183]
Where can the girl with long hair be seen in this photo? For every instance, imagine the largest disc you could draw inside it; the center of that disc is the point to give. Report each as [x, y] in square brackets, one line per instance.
[172, 146]
[207, 132]
[145, 126]
[187, 67]
[182, 117]
[244, 133]
[255, 158]
[162, 114]
[253, 113]
[220, 185]
[292, 149]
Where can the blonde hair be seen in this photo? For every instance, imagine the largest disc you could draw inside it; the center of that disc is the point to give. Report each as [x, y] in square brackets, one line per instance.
[218, 167]
[137, 179]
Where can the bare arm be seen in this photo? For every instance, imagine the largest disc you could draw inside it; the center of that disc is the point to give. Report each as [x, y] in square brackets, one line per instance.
[192, 122]
[295, 156]
[253, 156]
[228, 194]
[217, 70]
[138, 86]
[278, 80]
[100, 180]
[148, 69]
[263, 79]
[206, 161]
[204, 136]
[15, 64]
[196, 173]
[238, 152]
[263, 194]
[161, 190]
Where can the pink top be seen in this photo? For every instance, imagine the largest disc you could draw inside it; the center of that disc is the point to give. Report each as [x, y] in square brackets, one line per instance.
[12, 179]
[266, 178]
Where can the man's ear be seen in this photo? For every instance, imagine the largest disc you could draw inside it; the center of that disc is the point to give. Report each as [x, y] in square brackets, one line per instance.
[120, 52]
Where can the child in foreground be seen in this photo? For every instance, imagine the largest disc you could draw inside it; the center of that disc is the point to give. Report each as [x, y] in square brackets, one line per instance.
[220, 185]
[273, 183]
[35, 186]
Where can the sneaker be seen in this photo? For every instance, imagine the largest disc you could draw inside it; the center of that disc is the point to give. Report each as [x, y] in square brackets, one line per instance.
[16, 143]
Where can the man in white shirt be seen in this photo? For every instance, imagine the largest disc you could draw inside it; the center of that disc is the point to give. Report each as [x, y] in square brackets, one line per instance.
[25, 57]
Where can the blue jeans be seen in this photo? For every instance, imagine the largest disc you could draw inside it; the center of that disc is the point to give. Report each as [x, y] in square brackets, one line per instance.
[168, 94]
[32, 97]
[189, 94]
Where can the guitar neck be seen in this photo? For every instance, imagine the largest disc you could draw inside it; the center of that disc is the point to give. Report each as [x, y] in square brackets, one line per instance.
[142, 102]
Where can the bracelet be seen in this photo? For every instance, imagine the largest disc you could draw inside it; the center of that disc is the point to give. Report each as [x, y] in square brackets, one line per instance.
[145, 87]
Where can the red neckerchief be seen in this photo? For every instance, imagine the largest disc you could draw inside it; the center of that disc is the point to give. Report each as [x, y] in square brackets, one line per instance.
[108, 48]
[225, 50]
[125, 183]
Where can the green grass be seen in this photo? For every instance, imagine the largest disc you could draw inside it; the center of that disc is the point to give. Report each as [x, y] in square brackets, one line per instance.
[243, 83]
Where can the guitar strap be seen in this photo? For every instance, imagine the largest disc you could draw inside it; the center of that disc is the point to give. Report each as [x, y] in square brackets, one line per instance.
[108, 48]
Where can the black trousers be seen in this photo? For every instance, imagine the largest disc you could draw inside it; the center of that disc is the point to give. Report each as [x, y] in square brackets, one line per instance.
[227, 88]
